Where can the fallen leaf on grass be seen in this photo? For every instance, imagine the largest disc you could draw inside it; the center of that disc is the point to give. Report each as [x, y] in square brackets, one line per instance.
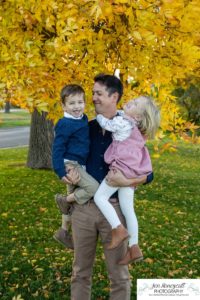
[149, 260]
[43, 209]
[39, 270]
[18, 297]
[4, 215]
[172, 273]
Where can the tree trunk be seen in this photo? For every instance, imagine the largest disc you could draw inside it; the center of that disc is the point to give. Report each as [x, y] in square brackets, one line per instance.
[7, 107]
[40, 142]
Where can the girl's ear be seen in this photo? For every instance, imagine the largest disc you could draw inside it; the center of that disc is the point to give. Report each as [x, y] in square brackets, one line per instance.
[138, 117]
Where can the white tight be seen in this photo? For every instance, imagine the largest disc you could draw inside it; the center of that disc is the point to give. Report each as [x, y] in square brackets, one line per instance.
[126, 201]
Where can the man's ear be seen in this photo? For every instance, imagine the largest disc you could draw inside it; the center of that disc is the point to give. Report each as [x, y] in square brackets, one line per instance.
[115, 97]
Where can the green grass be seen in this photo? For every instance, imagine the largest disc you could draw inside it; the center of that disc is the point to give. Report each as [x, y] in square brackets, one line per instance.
[15, 118]
[34, 266]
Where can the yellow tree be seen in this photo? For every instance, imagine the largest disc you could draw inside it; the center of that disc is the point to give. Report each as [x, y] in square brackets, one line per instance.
[45, 44]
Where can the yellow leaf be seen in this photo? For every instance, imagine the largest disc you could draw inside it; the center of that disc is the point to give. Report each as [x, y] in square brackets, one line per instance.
[137, 35]
[100, 34]
[156, 155]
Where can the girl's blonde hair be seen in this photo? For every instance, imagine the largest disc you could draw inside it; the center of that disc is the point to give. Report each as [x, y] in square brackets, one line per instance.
[150, 117]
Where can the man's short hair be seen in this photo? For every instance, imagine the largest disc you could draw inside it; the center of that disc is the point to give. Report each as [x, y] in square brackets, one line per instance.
[71, 89]
[111, 82]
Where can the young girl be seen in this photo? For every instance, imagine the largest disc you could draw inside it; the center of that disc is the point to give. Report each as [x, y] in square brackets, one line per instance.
[127, 153]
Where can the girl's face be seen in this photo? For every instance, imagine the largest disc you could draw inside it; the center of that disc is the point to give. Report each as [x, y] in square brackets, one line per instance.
[135, 108]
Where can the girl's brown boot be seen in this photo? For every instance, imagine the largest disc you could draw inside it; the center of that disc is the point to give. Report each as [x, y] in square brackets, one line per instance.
[133, 254]
[119, 234]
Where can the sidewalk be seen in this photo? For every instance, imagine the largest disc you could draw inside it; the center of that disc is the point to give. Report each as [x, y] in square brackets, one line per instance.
[14, 137]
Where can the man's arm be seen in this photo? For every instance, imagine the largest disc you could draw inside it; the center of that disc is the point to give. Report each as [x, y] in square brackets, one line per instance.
[116, 178]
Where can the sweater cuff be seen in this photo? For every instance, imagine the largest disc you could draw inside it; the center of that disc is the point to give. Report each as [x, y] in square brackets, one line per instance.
[150, 178]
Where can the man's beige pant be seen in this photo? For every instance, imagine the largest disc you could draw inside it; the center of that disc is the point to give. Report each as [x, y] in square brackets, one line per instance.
[87, 224]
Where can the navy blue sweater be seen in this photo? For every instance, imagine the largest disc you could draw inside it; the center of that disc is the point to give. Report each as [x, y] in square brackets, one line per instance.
[71, 142]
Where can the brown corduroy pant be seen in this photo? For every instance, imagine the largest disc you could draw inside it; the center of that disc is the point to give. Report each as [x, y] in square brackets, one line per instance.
[87, 224]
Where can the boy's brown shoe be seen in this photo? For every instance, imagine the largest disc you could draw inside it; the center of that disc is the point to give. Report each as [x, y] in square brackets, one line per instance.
[62, 203]
[63, 237]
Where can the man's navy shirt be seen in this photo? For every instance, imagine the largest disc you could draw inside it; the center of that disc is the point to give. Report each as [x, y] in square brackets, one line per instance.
[99, 143]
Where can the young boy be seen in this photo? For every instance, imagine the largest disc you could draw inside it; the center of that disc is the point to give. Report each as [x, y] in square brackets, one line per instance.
[70, 150]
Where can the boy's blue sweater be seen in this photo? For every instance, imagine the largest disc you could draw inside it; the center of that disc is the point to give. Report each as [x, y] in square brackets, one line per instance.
[71, 142]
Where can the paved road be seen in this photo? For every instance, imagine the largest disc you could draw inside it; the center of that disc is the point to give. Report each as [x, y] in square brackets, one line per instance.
[14, 137]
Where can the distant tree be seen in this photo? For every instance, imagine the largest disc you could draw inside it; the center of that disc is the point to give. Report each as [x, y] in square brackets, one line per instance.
[40, 144]
[190, 100]
[7, 107]
[7, 101]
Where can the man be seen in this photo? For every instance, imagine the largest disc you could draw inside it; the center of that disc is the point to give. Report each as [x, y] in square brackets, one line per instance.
[88, 223]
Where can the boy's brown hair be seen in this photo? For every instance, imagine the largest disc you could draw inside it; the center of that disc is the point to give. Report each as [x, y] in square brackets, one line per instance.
[71, 89]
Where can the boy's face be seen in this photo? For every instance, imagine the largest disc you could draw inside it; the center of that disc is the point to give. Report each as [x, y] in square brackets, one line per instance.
[74, 105]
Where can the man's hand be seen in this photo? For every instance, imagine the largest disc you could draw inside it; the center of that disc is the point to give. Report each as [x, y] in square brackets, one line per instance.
[72, 177]
[116, 178]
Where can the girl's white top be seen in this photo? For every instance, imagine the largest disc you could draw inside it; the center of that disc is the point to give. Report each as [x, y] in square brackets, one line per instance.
[120, 126]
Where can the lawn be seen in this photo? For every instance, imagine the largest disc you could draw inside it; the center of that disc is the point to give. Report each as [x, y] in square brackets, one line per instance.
[34, 266]
[15, 118]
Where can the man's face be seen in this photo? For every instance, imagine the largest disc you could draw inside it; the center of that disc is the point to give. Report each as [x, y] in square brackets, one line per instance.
[74, 105]
[104, 104]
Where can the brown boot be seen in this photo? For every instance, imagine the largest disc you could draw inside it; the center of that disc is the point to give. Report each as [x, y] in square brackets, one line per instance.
[133, 254]
[64, 237]
[119, 234]
[62, 203]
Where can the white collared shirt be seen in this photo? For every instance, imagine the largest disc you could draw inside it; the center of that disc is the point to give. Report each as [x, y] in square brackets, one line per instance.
[67, 115]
